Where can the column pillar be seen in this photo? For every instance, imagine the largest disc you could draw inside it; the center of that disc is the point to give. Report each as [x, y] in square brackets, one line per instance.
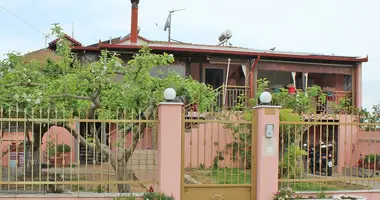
[265, 146]
[169, 148]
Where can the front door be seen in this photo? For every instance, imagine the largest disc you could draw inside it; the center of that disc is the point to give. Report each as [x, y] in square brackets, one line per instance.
[214, 77]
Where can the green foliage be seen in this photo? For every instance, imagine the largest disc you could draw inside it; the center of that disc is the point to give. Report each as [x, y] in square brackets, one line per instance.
[291, 163]
[262, 84]
[371, 158]
[69, 84]
[59, 148]
[321, 195]
[215, 163]
[156, 196]
[293, 107]
[64, 148]
[371, 116]
[125, 197]
[284, 194]
[103, 89]
[303, 102]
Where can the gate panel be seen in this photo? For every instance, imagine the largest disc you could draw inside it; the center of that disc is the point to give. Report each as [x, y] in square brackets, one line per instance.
[216, 155]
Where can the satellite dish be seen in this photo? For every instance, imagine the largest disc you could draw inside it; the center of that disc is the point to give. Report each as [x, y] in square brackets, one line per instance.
[168, 22]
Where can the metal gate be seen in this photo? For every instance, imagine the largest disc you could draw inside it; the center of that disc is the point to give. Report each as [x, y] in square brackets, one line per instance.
[217, 159]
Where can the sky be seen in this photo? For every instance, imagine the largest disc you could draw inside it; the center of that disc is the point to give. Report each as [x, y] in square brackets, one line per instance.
[342, 27]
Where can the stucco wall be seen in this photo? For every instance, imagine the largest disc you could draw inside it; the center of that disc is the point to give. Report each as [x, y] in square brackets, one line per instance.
[203, 143]
[368, 142]
[57, 135]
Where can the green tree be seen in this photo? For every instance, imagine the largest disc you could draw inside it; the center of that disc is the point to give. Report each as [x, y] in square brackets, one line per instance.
[293, 108]
[93, 91]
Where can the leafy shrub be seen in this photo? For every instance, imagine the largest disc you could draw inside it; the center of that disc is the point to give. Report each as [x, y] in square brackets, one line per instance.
[291, 163]
[370, 158]
[284, 194]
[63, 148]
[127, 197]
[151, 195]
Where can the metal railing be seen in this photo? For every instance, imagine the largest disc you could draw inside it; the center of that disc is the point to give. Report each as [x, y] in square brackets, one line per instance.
[341, 99]
[329, 152]
[62, 151]
[336, 101]
[216, 149]
[232, 95]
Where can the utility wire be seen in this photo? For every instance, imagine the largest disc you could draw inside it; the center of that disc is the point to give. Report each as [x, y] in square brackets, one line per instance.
[23, 20]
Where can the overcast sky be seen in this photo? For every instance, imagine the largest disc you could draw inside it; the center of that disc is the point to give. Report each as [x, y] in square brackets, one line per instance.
[342, 27]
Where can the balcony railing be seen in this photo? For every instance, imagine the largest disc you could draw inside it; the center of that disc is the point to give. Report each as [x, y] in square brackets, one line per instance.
[335, 101]
[341, 100]
[232, 95]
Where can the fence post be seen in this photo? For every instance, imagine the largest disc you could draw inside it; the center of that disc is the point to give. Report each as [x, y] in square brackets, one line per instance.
[265, 146]
[169, 148]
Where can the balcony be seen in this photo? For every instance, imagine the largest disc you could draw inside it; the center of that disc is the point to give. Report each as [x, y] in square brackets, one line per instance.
[336, 101]
[231, 96]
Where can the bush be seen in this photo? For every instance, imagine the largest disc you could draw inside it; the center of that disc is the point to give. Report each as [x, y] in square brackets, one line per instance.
[291, 164]
[156, 196]
[60, 148]
[151, 195]
[63, 148]
[370, 158]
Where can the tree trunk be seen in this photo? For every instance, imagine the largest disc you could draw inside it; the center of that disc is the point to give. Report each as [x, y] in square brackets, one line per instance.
[122, 175]
[32, 161]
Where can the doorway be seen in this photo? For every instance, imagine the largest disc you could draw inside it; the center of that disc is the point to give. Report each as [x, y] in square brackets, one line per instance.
[215, 77]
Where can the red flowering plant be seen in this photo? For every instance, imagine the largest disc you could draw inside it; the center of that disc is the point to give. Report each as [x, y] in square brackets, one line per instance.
[151, 195]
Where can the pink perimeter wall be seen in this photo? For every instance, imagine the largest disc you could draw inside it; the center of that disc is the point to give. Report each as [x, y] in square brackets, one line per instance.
[368, 143]
[57, 135]
[203, 143]
[346, 143]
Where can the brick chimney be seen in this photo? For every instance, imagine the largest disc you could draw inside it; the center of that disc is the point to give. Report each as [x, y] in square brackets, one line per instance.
[134, 20]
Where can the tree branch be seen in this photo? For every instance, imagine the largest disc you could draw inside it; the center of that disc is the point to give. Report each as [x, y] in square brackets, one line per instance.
[65, 95]
[147, 115]
[83, 141]
[95, 104]
[32, 84]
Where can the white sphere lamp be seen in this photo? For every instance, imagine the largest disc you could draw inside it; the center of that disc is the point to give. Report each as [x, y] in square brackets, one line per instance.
[169, 94]
[265, 98]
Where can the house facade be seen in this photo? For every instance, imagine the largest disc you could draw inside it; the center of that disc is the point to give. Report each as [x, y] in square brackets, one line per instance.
[237, 68]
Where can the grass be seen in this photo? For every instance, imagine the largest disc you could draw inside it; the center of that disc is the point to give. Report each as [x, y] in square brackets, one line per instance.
[230, 176]
[311, 186]
[241, 176]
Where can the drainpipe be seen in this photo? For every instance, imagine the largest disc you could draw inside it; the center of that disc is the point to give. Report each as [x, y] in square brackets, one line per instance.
[251, 76]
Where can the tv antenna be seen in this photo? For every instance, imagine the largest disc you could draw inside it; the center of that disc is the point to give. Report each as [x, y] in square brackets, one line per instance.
[168, 24]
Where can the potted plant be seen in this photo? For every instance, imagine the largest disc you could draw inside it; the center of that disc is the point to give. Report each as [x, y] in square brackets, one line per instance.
[370, 160]
[59, 154]
[329, 91]
[277, 88]
[291, 89]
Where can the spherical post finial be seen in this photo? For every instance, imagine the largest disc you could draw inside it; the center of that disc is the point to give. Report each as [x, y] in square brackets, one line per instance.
[169, 94]
[265, 98]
